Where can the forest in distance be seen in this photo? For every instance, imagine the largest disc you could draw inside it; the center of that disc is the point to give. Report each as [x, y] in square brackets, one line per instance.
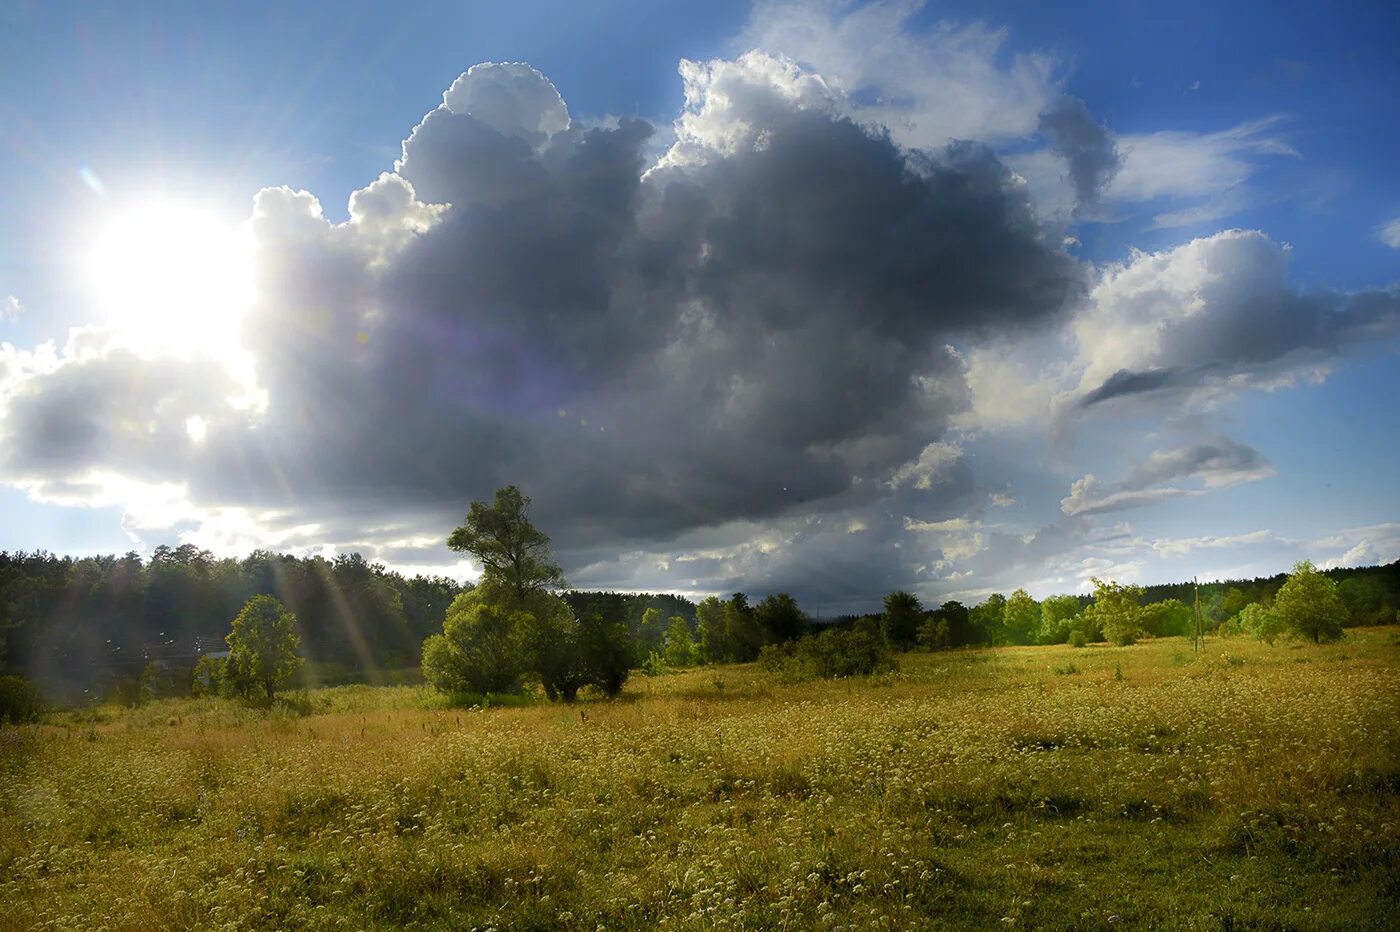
[84, 629]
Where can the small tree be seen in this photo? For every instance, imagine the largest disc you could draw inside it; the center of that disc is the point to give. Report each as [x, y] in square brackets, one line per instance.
[1057, 614]
[1116, 611]
[607, 651]
[263, 646]
[901, 620]
[1308, 605]
[1020, 617]
[680, 646]
[711, 644]
[1258, 621]
[208, 676]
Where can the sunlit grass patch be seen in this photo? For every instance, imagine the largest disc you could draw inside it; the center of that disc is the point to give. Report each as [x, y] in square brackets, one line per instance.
[972, 789]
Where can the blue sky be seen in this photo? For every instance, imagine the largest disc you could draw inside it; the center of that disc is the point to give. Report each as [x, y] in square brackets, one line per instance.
[1268, 435]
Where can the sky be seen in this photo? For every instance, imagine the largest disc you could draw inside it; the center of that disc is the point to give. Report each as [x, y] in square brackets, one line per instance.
[825, 298]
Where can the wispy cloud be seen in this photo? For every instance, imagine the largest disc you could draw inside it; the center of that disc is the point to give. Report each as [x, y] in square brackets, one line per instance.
[1389, 233]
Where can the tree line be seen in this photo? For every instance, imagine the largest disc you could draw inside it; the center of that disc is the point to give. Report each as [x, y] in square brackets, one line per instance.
[79, 625]
[85, 626]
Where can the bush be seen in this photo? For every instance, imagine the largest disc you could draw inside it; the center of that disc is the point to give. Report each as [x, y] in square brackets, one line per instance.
[208, 677]
[832, 653]
[654, 665]
[20, 700]
[1077, 638]
[479, 650]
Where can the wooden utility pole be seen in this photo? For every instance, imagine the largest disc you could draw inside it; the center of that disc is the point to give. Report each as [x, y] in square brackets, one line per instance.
[1199, 635]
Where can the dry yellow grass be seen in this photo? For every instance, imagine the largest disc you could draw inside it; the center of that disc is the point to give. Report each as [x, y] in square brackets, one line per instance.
[1038, 787]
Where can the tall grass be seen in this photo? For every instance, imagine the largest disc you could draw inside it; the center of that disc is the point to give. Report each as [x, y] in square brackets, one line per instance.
[1029, 787]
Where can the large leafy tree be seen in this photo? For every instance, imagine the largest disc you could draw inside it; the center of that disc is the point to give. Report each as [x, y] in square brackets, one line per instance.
[712, 642]
[987, 619]
[511, 550]
[531, 629]
[680, 645]
[606, 653]
[901, 620]
[1117, 611]
[742, 636]
[1020, 617]
[480, 650]
[1167, 618]
[1057, 614]
[1308, 605]
[779, 618]
[263, 646]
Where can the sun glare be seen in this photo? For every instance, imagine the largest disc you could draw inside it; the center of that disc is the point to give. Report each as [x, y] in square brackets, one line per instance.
[171, 275]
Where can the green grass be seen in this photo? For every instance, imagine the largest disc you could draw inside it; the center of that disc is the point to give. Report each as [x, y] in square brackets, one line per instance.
[1029, 787]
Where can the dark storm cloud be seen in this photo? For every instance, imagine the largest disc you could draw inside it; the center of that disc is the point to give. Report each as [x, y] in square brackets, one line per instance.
[758, 333]
[1124, 382]
[1088, 147]
[743, 337]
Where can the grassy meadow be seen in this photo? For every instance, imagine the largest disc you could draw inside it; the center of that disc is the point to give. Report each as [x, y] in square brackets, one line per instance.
[1040, 787]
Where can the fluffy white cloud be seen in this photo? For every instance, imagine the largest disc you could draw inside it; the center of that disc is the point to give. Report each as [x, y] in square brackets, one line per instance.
[751, 334]
[1216, 314]
[927, 87]
[1087, 496]
[512, 98]
[932, 464]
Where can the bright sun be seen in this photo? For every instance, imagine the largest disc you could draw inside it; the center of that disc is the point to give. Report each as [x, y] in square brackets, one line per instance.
[171, 275]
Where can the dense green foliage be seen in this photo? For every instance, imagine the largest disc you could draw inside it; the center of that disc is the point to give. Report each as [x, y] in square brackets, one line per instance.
[680, 643]
[830, 654]
[262, 648]
[1309, 606]
[1117, 611]
[80, 626]
[902, 619]
[20, 700]
[513, 629]
[480, 649]
[511, 550]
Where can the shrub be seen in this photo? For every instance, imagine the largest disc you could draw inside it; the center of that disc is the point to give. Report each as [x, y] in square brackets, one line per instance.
[20, 700]
[1077, 638]
[208, 677]
[832, 653]
[479, 650]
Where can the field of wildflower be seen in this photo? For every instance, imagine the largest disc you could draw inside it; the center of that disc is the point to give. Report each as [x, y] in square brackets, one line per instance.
[1248, 786]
